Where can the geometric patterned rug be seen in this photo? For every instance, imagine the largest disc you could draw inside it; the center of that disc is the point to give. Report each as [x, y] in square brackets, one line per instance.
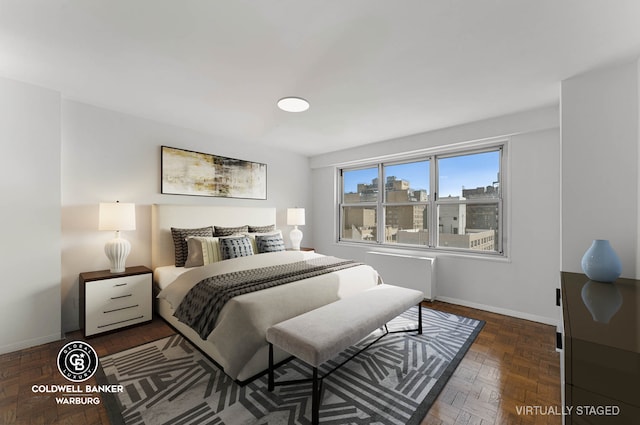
[395, 381]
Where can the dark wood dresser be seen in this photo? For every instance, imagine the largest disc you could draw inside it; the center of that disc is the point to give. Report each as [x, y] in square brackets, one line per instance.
[601, 350]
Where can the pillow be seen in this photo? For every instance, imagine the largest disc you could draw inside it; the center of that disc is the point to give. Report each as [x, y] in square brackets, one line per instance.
[269, 243]
[202, 251]
[235, 247]
[228, 231]
[262, 229]
[180, 241]
[252, 237]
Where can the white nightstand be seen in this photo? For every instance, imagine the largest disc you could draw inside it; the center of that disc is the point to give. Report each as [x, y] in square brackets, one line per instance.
[111, 301]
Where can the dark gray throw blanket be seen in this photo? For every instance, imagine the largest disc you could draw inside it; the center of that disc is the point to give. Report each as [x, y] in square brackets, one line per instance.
[201, 306]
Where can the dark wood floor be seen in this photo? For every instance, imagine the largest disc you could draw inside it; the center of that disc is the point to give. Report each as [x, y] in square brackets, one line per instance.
[512, 363]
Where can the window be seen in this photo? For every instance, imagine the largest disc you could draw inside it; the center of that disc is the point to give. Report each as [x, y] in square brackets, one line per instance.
[469, 204]
[405, 204]
[451, 201]
[359, 215]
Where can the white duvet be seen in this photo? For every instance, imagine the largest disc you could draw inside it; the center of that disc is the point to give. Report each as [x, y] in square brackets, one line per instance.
[238, 341]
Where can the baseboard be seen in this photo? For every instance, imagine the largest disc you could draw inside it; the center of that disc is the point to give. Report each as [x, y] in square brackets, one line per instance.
[21, 345]
[504, 311]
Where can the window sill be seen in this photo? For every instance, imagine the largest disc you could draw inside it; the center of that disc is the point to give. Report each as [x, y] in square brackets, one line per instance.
[418, 251]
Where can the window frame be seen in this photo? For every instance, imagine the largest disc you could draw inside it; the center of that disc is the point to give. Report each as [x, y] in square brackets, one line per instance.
[366, 204]
[433, 202]
[384, 203]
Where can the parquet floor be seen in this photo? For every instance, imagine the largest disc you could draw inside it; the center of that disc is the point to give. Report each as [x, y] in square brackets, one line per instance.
[512, 363]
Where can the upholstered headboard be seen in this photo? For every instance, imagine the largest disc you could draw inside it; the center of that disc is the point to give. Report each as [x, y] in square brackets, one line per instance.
[164, 217]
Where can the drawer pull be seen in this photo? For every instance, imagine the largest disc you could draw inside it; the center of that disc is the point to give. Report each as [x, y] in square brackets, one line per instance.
[122, 321]
[121, 284]
[121, 296]
[123, 308]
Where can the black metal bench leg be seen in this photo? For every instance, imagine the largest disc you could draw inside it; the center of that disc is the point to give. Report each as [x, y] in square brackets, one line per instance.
[315, 398]
[271, 379]
[420, 319]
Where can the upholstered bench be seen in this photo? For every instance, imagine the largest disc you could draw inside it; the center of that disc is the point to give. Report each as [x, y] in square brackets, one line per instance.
[321, 334]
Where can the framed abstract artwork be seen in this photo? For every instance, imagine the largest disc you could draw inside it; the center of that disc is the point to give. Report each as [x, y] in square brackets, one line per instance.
[187, 172]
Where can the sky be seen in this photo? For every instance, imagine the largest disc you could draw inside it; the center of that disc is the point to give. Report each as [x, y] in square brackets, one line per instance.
[468, 171]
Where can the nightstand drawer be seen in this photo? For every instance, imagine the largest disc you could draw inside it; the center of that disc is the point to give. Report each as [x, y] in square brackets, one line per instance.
[109, 321]
[114, 301]
[119, 288]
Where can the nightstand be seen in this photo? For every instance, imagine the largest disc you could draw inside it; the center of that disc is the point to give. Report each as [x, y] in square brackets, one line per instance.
[111, 301]
[302, 248]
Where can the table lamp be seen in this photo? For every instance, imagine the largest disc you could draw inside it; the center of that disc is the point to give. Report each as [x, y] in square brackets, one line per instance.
[117, 216]
[295, 217]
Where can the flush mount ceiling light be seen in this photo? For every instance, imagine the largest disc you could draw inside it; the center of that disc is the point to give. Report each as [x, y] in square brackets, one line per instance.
[293, 104]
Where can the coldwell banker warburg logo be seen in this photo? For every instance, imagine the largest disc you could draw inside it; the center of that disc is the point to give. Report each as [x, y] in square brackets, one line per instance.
[77, 361]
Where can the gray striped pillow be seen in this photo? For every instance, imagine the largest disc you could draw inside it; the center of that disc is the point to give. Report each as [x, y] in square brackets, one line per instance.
[270, 243]
[180, 241]
[228, 231]
[262, 229]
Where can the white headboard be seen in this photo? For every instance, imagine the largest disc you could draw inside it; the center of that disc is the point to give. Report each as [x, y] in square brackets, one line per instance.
[164, 217]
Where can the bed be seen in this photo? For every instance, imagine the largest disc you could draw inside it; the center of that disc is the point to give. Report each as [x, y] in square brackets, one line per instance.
[237, 342]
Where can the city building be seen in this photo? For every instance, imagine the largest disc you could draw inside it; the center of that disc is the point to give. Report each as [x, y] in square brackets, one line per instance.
[459, 225]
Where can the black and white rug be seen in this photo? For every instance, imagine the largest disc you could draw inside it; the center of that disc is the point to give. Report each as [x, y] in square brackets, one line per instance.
[395, 381]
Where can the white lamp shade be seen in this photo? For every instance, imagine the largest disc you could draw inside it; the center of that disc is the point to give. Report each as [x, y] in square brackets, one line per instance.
[295, 216]
[117, 216]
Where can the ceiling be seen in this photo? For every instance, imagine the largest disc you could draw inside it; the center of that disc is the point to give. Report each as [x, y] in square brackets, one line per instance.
[372, 69]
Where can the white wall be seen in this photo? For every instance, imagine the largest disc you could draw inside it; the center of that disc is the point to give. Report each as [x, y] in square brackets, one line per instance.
[522, 286]
[30, 211]
[600, 165]
[108, 156]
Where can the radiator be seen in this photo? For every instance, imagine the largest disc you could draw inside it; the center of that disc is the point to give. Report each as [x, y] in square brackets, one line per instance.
[407, 271]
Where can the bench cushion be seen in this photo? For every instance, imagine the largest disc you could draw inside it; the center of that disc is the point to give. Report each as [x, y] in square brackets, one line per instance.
[320, 334]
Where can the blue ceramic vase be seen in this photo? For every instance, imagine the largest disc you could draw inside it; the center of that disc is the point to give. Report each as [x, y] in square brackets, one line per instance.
[601, 263]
